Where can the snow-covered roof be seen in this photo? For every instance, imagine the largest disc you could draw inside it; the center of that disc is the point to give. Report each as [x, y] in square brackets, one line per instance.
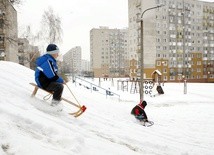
[156, 71]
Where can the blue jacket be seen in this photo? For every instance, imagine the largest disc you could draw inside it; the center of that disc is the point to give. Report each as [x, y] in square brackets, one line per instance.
[46, 71]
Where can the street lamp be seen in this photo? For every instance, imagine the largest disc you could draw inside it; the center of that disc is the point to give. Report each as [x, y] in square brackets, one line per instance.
[162, 65]
[142, 53]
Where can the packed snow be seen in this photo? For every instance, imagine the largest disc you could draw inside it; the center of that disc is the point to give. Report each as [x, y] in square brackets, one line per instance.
[183, 123]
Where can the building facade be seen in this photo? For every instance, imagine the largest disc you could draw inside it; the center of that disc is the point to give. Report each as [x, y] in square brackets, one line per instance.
[85, 65]
[86, 69]
[8, 32]
[178, 38]
[109, 52]
[27, 53]
[72, 61]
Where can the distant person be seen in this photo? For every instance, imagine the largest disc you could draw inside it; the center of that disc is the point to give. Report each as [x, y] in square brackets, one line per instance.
[46, 75]
[139, 113]
[108, 92]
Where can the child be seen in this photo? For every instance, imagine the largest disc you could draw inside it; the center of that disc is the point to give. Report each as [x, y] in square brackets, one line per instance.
[46, 75]
[139, 113]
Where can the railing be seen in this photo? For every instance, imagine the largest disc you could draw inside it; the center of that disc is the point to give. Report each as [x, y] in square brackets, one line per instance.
[94, 87]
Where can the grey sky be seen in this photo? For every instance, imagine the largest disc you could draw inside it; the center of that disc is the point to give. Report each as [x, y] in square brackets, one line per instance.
[78, 18]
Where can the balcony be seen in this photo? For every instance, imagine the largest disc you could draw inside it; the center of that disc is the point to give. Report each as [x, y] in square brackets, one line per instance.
[172, 73]
[180, 7]
[172, 6]
[205, 45]
[180, 37]
[211, 31]
[187, 8]
[172, 36]
[173, 51]
[180, 66]
[180, 14]
[171, 28]
[179, 51]
[172, 43]
[173, 59]
[188, 59]
[179, 44]
[172, 13]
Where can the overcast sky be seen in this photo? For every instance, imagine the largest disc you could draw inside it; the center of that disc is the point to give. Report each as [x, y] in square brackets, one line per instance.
[78, 18]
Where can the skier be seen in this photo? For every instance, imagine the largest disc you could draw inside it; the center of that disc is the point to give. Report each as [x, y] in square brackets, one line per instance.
[139, 113]
[46, 75]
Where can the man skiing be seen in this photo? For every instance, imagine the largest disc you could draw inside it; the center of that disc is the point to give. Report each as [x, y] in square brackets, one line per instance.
[46, 75]
[139, 113]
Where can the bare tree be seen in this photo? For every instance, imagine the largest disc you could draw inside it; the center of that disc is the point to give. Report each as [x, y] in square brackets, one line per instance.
[51, 27]
[15, 2]
[33, 39]
[29, 35]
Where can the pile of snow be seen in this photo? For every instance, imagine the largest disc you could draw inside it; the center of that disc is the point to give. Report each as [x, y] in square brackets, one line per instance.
[183, 123]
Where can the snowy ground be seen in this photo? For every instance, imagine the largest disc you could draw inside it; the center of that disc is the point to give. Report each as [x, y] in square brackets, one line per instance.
[184, 124]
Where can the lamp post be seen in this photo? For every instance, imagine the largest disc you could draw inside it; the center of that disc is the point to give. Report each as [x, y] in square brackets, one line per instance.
[208, 71]
[184, 67]
[142, 53]
[162, 65]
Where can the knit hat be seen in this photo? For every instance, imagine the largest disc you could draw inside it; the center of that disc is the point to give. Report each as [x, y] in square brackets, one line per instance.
[144, 104]
[52, 49]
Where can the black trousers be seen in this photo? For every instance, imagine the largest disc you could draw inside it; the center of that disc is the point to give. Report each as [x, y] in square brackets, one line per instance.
[57, 89]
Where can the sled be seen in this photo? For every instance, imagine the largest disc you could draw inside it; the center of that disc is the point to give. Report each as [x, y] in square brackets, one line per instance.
[147, 124]
[75, 114]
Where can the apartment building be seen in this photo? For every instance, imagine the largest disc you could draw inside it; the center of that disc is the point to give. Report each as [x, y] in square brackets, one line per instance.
[8, 32]
[109, 52]
[85, 65]
[178, 38]
[86, 69]
[72, 61]
[23, 55]
[27, 53]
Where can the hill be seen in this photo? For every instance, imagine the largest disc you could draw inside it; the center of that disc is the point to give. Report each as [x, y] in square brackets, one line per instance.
[183, 123]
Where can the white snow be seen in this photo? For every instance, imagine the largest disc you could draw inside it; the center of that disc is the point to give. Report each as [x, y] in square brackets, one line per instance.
[184, 123]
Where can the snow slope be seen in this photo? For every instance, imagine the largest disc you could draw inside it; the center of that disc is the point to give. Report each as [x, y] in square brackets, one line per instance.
[184, 124]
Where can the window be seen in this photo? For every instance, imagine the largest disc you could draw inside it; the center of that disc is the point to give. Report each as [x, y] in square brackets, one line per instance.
[198, 70]
[158, 63]
[198, 63]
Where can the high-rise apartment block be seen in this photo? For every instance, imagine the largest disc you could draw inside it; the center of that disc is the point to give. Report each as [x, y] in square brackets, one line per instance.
[72, 60]
[178, 39]
[109, 52]
[85, 66]
[8, 32]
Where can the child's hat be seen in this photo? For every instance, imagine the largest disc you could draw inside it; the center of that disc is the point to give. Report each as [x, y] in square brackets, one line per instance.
[52, 49]
[144, 104]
